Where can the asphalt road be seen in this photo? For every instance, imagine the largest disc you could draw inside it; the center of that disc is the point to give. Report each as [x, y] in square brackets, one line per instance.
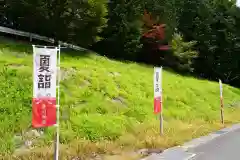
[225, 147]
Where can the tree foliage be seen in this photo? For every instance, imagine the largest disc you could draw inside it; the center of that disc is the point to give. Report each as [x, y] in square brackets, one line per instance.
[214, 25]
[122, 36]
[183, 53]
[79, 22]
[204, 35]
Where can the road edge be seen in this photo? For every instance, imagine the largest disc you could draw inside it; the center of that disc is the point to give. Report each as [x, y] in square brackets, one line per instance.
[181, 152]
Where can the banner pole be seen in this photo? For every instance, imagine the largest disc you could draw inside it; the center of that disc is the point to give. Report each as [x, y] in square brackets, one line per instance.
[58, 106]
[161, 114]
[221, 101]
[161, 124]
[222, 115]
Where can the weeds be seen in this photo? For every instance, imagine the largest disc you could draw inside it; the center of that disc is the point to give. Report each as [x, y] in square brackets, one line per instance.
[108, 113]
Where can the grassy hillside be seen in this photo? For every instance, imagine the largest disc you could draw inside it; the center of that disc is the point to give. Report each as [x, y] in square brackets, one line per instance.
[107, 106]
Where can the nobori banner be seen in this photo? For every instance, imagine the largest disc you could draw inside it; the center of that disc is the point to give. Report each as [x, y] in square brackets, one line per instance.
[157, 89]
[44, 86]
[45, 72]
[221, 88]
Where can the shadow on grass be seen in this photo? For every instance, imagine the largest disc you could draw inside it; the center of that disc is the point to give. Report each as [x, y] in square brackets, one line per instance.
[73, 53]
[146, 61]
[14, 45]
[19, 44]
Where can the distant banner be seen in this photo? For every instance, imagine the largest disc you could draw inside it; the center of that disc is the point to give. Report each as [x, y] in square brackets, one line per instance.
[157, 90]
[221, 92]
[44, 87]
[221, 88]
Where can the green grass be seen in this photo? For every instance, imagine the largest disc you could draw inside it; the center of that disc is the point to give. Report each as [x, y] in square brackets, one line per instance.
[107, 106]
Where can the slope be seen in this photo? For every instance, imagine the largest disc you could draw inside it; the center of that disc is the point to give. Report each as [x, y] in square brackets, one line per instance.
[106, 105]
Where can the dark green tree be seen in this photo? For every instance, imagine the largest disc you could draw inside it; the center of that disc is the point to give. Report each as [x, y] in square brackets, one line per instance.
[122, 36]
[77, 22]
[214, 25]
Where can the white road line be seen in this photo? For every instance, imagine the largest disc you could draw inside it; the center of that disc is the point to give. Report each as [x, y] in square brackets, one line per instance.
[190, 157]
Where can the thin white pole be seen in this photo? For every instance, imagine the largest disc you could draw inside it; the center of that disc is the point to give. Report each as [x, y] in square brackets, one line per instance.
[161, 124]
[58, 106]
[221, 101]
[161, 114]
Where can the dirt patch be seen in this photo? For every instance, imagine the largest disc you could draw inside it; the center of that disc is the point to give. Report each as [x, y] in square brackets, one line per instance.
[15, 65]
[235, 104]
[147, 152]
[114, 74]
[25, 141]
[67, 72]
[124, 156]
[22, 55]
[85, 83]
[67, 91]
[118, 85]
[119, 100]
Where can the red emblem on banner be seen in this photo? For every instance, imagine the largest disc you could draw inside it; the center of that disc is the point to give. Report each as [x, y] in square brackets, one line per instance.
[43, 112]
[157, 105]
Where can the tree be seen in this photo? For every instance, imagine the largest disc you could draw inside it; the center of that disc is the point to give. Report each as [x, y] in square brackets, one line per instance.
[88, 21]
[78, 22]
[214, 25]
[166, 12]
[183, 54]
[122, 36]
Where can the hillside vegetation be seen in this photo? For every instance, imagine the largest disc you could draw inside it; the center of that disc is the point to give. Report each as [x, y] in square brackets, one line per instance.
[107, 106]
[206, 32]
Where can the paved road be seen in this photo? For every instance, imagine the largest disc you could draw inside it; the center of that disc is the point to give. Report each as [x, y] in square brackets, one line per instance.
[225, 147]
[220, 145]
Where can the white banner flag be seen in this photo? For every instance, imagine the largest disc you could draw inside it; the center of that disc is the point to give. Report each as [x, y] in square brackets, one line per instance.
[221, 88]
[44, 72]
[157, 89]
[157, 82]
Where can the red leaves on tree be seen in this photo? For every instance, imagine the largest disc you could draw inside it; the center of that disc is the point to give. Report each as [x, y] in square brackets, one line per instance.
[157, 32]
[154, 31]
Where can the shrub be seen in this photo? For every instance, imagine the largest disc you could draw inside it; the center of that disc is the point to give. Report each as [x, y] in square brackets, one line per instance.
[183, 52]
[124, 30]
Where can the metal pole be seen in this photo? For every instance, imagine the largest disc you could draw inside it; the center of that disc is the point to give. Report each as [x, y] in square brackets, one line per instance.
[221, 101]
[222, 114]
[161, 103]
[56, 155]
[161, 124]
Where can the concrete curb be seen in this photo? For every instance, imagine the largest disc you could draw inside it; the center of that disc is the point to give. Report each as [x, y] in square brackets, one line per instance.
[182, 152]
[205, 139]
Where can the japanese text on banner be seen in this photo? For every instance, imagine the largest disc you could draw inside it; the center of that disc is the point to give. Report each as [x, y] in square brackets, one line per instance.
[44, 87]
[45, 70]
[157, 90]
